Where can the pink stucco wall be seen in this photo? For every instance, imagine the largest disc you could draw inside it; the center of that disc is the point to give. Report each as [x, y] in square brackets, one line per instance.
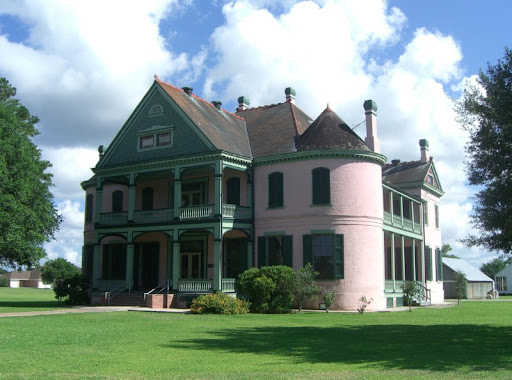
[356, 212]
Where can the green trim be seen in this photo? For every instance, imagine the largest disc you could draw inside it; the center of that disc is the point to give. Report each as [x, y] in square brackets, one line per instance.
[323, 232]
[398, 191]
[399, 231]
[321, 154]
[321, 205]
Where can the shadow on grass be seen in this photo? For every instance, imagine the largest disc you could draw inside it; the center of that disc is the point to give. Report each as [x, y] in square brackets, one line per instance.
[31, 304]
[435, 348]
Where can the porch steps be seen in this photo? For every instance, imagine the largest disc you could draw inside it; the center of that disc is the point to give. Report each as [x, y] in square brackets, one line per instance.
[128, 299]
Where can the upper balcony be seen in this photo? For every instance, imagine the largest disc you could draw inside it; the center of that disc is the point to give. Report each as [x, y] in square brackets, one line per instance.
[402, 211]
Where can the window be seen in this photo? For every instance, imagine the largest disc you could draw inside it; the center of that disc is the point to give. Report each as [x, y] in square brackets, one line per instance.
[114, 262]
[275, 190]
[117, 201]
[439, 265]
[275, 250]
[325, 253]
[428, 263]
[321, 186]
[88, 208]
[147, 142]
[164, 139]
[425, 213]
[501, 284]
[193, 193]
[436, 215]
[235, 257]
[147, 198]
[430, 179]
[233, 191]
[154, 140]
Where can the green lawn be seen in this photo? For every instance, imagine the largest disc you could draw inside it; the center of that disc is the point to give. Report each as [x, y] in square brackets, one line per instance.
[13, 300]
[470, 341]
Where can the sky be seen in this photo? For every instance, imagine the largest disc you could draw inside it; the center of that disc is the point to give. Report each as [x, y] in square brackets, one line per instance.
[83, 66]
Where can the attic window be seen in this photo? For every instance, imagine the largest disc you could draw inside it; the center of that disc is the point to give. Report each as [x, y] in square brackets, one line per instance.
[155, 140]
[147, 142]
[430, 179]
[156, 109]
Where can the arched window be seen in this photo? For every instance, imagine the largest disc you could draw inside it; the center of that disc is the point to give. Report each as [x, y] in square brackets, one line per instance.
[88, 208]
[321, 178]
[147, 198]
[275, 190]
[117, 201]
[233, 191]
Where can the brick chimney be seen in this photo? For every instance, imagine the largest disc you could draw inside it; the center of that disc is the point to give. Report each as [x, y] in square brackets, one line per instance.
[425, 155]
[243, 103]
[290, 95]
[370, 110]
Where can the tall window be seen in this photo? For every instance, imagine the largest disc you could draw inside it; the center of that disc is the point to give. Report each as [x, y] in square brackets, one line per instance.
[88, 208]
[275, 190]
[114, 262]
[321, 186]
[275, 250]
[147, 198]
[117, 201]
[439, 265]
[233, 191]
[428, 263]
[325, 253]
[436, 214]
[425, 213]
[501, 284]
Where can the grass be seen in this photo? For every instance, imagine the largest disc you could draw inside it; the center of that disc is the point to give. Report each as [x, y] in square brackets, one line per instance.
[470, 341]
[13, 300]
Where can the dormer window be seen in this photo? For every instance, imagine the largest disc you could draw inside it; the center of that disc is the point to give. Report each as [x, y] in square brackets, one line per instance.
[430, 179]
[155, 137]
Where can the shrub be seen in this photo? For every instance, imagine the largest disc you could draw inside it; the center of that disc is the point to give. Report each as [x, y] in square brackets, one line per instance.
[304, 287]
[329, 298]
[364, 304]
[4, 282]
[270, 289]
[409, 293]
[219, 303]
[74, 289]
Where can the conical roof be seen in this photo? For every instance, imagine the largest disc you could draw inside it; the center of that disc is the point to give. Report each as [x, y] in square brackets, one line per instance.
[329, 131]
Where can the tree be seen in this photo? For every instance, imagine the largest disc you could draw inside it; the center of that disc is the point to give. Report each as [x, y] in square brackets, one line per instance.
[493, 266]
[28, 217]
[448, 248]
[305, 287]
[58, 269]
[460, 283]
[485, 112]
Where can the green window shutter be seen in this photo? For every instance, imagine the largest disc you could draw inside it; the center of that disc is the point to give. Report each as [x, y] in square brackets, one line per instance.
[233, 191]
[321, 186]
[307, 249]
[147, 199]
[439, 265]
[243, 255]
[262, 251]
[428, 263]
[117, 201]
[122, 261]
[339, 262]
[287, 250]
[88, 208]
[275, 190]
[106, 262]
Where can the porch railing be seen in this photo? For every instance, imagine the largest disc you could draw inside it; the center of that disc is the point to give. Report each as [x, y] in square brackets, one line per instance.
[153, 216]
[113, 218]
[196, 212]
[109, 285]
[114, 292]
[228, 285]
[166, 285]
[405, 224]
[200, 285]
[235, 212]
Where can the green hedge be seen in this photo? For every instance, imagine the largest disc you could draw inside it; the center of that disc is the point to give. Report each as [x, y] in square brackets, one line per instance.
[219, 303]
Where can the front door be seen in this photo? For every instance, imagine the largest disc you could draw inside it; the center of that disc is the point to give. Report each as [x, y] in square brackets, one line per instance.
[190, 265]
[145, 265]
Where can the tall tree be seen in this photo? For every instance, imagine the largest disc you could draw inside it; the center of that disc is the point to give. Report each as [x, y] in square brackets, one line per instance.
[28, 217]
[494, 266]
[58, 269]
[448, 248]
[485, 111]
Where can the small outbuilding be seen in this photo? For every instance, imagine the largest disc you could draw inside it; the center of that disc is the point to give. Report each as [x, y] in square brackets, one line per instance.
[478, 284]
[27, 279]
[504, 280]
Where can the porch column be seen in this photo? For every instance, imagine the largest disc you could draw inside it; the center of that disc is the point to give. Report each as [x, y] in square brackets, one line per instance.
[175, 264]
[131, 197]
[414, 260]
[412, 214]
[96, 265]
[129, 265]
[217, 264]
[422, 253]
[403, 257]
[393, 273]
[391, 208]
[249, 198]
[249, 254]
[402, 213]
[177, 194]
[168, 276]
[217, 202]
[99, 202]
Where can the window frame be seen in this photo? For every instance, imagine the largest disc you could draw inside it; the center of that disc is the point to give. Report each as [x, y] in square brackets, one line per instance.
[117, 201]
[275, 190]
[154, 135]
[233, 191]
[286, 245]
[321, 186]
[89, 207]
[338, 254]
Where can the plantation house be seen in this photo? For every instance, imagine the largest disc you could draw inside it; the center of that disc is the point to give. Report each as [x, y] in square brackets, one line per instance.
[190, 195]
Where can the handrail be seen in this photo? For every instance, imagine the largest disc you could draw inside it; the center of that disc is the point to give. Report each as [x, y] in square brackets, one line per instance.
[116, 291]
[168, 284]
[421, 291]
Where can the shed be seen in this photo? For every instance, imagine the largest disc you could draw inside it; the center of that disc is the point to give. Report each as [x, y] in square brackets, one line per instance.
[478, 284]
[27, 279]
[504, 280]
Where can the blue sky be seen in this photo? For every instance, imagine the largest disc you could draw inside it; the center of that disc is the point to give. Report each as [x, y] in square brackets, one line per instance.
[82, 67]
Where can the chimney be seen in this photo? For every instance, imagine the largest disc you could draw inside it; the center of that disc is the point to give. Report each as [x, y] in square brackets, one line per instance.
[290, 95]
[425, 156]
[217, 104]
[188, 90]
[101, 151]
[395, 162]
[243, 103]
[370, 110]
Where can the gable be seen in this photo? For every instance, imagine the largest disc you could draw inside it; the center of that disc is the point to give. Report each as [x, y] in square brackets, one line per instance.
[158, 116]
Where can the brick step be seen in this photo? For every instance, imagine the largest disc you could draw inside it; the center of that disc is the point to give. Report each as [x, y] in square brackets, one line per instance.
[125, 299]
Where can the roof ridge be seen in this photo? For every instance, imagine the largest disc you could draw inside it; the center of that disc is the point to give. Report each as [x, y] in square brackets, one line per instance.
[158, 80]
[294, 120]
[266, 105]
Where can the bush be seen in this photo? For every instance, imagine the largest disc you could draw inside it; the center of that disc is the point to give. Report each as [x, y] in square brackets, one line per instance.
[4, 282]
[74, 289]
[219, 303]
[270, 289]
[305, 287]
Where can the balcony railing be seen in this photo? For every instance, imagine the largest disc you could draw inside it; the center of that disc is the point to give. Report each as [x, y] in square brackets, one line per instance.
[236, 212]
[153, 216]
[113, 218]
[201, 285]
[404, 224]
[196, 212]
